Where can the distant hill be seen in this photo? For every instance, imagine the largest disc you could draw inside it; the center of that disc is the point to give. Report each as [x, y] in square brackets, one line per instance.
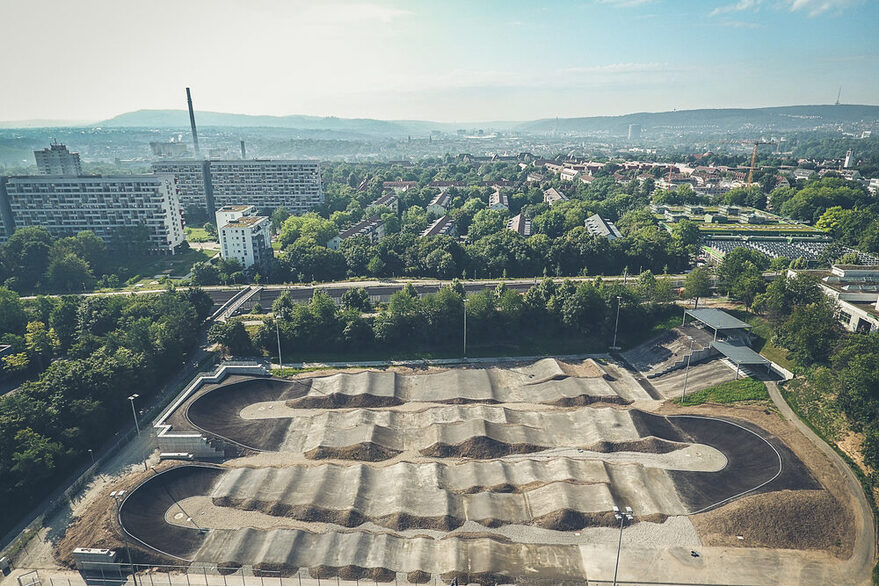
[180, 119]
[782, 118]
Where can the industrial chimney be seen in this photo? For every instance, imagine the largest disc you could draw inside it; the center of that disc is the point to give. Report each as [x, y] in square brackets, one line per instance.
[243, 151]
[192, 124]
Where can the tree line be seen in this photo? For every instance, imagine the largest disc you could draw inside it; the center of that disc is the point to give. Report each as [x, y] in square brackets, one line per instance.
[85, 355]
[33, 261]
[581, 314]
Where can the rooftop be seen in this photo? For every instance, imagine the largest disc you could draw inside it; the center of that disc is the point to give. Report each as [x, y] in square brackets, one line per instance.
[717, 319]
[739, 354]
[245, 221]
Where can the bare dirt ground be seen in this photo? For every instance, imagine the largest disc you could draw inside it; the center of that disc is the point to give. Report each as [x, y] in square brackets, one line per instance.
[814, 520]
[768, 520]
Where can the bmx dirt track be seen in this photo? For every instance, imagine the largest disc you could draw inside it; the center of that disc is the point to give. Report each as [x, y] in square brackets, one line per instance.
[419, 481]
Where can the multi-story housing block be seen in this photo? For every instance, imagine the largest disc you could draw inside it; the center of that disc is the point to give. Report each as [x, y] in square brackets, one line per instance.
[266, 184]
[57, 160]
[66, 205]
[244, 238]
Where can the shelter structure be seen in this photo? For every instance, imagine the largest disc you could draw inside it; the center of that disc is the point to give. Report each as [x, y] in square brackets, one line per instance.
[717, 320]
[741, 355]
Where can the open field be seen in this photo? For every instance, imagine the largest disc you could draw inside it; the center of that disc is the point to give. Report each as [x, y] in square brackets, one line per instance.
[485, 474]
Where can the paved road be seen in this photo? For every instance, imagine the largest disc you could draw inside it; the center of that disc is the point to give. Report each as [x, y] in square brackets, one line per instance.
[864, 556]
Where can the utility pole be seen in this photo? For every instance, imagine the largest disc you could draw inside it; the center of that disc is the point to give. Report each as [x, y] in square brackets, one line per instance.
[622, 518]
[614, 347]
[687, 372]
[278, 334]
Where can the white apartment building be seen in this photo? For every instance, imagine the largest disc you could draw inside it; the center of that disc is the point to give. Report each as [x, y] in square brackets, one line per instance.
[266, 184]
[57, 160]
[103, 204]
[244, 238]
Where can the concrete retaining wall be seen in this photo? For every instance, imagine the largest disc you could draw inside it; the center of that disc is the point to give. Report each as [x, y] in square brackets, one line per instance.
[195, 445]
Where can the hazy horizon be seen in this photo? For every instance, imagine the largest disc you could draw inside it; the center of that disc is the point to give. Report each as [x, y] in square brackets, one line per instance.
[450, 61]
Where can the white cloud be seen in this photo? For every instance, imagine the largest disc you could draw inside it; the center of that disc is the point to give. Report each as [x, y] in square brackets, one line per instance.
[740, 6]
[625, 3]
[816, 7]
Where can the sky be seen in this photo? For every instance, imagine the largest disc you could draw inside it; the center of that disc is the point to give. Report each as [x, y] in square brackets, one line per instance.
[445, 60]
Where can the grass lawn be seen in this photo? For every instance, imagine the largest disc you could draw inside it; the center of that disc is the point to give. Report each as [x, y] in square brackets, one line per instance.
[177, 265]
[199, 235]
[734, 391]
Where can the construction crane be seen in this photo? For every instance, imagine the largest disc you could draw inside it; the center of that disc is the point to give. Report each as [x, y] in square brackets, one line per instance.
[756, 144]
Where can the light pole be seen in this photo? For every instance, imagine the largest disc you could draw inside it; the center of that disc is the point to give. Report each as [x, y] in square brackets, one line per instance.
[92, 454]
[616, 325]
[687, 372]
[116, 495]
[622, 518]
[134, 413]
[278, 334]
[464, 303]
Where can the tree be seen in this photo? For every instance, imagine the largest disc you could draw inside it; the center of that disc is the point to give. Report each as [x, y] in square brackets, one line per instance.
[309, 226]
[738, 265]
[70, 273]
[698, 284]
[211, 229]
[486, 222]
[35, 459]
[232, 336]
[41, 342]
[810, 333]
[357, 299]
[279, 216]
[13, 318]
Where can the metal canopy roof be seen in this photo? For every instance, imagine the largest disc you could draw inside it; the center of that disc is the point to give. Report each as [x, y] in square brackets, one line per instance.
[717, 319]
[739, 354]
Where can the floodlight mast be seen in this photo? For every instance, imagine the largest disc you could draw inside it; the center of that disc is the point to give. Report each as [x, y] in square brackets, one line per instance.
[622, 518]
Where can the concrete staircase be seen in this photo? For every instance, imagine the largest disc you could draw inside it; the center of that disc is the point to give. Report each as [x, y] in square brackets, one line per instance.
[670, 351]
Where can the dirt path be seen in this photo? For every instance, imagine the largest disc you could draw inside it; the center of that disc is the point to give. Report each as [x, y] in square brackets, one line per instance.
[864, 555]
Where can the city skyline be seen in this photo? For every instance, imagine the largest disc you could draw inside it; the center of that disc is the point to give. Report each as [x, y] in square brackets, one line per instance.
[447, 62]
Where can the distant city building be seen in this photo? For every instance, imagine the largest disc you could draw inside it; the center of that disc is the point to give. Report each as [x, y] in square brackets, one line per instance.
[57, 160]
[535, 177]
[520, 224]
[440, 203]
[569, 174]
[243, 236]
[373, 228]
[66, 206]
[498, 201]
[169, 149]
[598, 226]
[634, 132]
[266, 184]
[399, 186]
[390, 200]
[441, 226]
[849, 160]
[553, 195]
